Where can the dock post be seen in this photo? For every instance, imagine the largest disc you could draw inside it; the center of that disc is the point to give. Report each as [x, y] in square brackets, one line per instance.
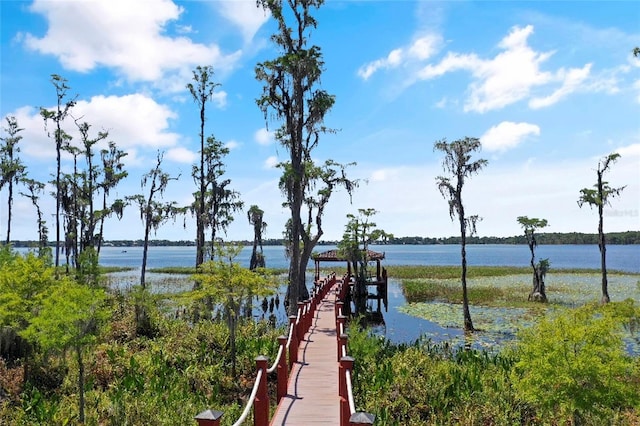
[209, 418]
[293, 346]
[282, 369]
[346, 363]
[261, 403]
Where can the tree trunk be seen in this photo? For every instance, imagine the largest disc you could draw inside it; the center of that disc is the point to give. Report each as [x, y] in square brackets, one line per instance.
[58, 147]
[9, 202]
[603, 253]
[232, 339]
[80, 383]
[468, 324]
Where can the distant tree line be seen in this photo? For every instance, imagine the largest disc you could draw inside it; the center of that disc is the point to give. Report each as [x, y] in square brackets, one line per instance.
[628, 237]
[549, 238]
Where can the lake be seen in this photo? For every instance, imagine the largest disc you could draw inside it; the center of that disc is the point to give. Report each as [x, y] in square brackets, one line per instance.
[398, 326]
[619, 257]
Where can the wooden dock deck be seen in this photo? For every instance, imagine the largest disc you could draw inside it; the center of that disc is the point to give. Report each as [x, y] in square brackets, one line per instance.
[312, 392]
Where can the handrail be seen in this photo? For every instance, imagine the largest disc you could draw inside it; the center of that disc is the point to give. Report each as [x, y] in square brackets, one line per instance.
[290, 335]
[287, 355]
[352, 404]
[348, 414]
[277, 361]
[252, 398]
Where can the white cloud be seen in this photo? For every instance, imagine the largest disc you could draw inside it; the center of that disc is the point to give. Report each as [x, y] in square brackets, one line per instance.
[507, 135]
[245, 15]
[181, 155]
[420, 50]
[636, 86]
[380, 175]
[629, 151]
[219, 98]
[508, 77]
[126, 35]
[264, 137]
[452, 62]
[271, 162]
[513, 74]
[572, 80]
[133, 121]
[232, 144]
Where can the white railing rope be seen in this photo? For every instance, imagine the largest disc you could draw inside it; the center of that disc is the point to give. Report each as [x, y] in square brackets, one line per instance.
[352, 404]
[252, 398]
[290, 336]
[275, 363]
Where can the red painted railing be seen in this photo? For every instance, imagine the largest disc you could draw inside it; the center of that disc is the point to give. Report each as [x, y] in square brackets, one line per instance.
[348, 414]
[259, 400]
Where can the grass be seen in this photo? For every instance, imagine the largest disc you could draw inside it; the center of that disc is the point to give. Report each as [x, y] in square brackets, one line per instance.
[499, 303]
[189, 270]
[437, 271]
[111, 269]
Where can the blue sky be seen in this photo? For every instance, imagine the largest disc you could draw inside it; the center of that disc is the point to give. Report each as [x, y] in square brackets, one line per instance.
[548, 87]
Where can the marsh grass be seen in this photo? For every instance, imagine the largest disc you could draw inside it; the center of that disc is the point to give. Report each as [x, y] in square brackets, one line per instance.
[190, 270]
[499, 305]
[437, 271]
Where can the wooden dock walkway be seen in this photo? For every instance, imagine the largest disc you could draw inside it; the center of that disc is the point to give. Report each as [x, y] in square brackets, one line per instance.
[312, 392]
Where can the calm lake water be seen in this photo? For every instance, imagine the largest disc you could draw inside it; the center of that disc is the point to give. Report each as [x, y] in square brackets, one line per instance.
[397, 327]
[619, 257]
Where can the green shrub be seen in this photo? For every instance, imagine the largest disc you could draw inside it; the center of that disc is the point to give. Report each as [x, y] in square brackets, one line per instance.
[573, 366]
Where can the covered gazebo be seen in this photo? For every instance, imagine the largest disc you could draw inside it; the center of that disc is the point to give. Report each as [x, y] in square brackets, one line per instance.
[333, 256]
[379, 281]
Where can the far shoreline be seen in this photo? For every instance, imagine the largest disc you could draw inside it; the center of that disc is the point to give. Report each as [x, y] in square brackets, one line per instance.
[548, 238]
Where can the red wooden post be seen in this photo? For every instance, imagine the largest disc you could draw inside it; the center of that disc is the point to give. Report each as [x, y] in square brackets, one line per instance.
[346, 363]
[342, 343]
[282, 369]
[261, 404]
[339, 320]
[313, 305]
[307, 315]
[339, 308]
[293, 347]
[209, 418]
[300, 325]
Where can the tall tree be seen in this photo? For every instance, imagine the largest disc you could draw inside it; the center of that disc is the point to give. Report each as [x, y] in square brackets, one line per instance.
[154, 213]
[70, 205]
[89, 186]
[69, 318]
[224, 281]
[202, 91]
[360, 232]
[599, 197]
[61, 138]
[12, 170]
[35, 189]
[530, 226]
[457, 163]
[255, 216]
[113, 172]
[291, 95]
[220, 201]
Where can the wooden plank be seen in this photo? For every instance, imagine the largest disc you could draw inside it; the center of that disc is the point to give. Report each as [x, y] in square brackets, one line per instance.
[312, 392]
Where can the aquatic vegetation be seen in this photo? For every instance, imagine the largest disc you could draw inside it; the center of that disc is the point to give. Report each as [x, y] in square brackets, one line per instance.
[498, 303]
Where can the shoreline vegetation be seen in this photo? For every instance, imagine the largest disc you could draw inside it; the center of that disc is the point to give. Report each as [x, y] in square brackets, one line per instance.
[568, 365]
[548, 238]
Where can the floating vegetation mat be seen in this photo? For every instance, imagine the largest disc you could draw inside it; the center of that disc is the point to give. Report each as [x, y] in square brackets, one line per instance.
[498, 322]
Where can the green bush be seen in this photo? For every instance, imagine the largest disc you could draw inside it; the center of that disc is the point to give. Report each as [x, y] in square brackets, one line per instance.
[573, 366]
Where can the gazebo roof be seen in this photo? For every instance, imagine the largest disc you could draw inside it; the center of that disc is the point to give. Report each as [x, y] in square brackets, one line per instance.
[332, 256]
